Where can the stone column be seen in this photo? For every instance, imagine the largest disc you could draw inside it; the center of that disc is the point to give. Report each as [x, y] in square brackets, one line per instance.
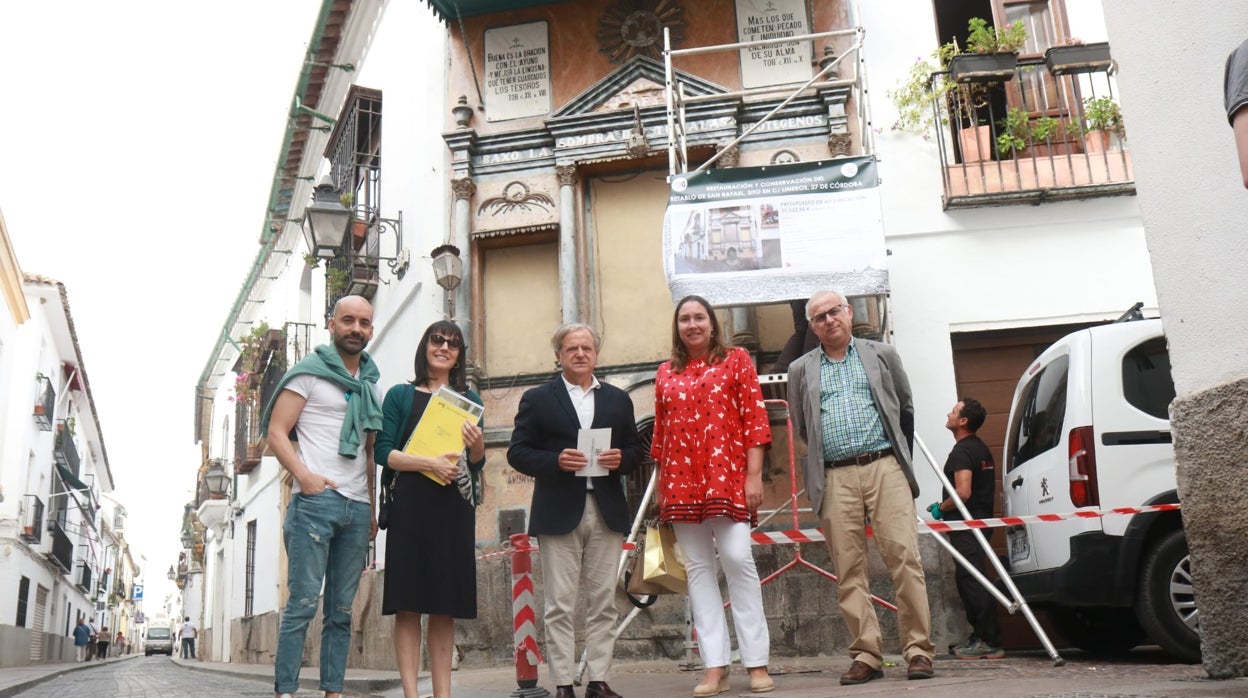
[1194, 223]
[463, 189]
[567, 241]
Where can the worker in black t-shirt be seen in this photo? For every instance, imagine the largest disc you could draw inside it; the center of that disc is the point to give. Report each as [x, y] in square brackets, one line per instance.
[970, 468]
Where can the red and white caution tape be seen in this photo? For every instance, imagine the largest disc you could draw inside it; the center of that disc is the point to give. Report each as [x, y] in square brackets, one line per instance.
[814, 535]
[946, 526]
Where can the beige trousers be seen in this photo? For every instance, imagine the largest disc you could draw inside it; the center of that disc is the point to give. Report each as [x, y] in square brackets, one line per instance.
[584, 559]
[877, 491]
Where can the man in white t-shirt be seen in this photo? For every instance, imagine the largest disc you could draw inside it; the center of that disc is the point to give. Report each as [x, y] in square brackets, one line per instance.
[187, 633]
[329, 403]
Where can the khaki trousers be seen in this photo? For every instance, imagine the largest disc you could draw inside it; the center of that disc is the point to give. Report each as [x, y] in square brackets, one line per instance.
[585, 559]
[879, 491]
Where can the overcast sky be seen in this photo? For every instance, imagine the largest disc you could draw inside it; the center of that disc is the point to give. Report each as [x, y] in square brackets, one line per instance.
[137, 145]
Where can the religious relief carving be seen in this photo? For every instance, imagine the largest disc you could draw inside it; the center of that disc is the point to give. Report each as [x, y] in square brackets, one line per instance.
[463, 188]
[730, 158]
[516, 196]
[784, 157]
[635, 27]
[566, 174]
[839, 144]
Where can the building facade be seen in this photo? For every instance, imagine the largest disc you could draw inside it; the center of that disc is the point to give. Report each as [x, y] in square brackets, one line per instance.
[66, 556]
[544, 166]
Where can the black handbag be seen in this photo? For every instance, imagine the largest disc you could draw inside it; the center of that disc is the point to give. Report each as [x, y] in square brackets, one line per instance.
[390, 477]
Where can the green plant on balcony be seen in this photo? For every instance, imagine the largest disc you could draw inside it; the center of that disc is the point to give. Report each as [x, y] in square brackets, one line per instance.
[311, 260]
[1013, 132]
[985, 39]
[1103, 114]
[336, 281]
[246, 388]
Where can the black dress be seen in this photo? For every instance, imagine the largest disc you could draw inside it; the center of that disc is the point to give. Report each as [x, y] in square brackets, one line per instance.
[430, 544]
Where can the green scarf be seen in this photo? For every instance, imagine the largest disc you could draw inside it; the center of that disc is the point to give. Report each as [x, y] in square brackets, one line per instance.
[363, 410]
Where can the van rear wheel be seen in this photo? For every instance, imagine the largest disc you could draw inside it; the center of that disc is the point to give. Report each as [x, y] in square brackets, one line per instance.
[1166, 603]
[1098, 630]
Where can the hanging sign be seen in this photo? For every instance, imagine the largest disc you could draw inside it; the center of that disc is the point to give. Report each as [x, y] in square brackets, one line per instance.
[748, 235]
[517, 71]
[774, 64]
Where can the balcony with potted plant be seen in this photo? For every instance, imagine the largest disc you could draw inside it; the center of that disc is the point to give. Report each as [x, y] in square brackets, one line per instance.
[261, 361]
[65, 451]
[45, 402]
[1031, 137]
[32, 519]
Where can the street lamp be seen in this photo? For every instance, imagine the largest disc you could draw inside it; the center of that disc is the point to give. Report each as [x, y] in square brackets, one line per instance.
[325, 221]
[173, 574]
[448, 269]
[217, 479]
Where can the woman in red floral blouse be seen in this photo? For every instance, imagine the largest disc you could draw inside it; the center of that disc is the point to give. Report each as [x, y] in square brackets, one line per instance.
[710, 433]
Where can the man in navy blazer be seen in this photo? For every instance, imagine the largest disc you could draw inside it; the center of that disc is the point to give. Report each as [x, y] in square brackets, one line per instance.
[580, 522]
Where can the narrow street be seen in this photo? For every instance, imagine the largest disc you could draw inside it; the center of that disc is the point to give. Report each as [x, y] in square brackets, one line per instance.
[145, 677]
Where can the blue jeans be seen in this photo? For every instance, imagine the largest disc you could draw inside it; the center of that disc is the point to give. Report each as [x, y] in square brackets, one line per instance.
[326, 538]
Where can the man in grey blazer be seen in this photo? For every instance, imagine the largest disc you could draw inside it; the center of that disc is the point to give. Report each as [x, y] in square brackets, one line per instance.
[850, 400]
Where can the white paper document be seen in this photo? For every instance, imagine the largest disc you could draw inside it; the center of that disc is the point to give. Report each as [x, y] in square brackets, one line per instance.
[592, 442]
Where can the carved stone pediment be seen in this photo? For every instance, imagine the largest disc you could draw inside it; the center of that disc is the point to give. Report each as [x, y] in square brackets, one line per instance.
[640, 78]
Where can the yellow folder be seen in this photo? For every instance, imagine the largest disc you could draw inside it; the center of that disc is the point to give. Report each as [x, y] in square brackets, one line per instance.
[440, 429]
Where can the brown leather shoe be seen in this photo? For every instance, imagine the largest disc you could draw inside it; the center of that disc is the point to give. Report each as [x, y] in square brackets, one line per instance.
[860, 673]
[564, 692]
[600, 689]
[920, 668]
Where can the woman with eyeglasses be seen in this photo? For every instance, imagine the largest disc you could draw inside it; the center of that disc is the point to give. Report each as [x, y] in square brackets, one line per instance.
[430, 542]
[710, 434]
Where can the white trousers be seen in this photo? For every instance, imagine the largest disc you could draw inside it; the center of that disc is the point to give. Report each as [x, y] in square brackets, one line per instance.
[584, 559]
[699, 542]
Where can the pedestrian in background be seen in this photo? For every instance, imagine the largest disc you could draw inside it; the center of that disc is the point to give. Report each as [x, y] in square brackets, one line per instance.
[120, 644]
[187, 632]
[850, 400]
[710, 436]
[971, 470]
[92, 639]
[431, 566]
[101, 645]
[82, 636]
[578, 521]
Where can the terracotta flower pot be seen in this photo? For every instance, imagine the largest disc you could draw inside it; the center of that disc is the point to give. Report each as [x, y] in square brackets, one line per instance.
[975, 143]
[1096, 141]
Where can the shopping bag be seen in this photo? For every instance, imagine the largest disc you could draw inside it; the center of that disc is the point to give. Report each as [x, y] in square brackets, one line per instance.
[641, 593]
[662, 564]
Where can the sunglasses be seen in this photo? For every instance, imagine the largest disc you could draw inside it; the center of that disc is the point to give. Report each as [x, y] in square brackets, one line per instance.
[438, 340]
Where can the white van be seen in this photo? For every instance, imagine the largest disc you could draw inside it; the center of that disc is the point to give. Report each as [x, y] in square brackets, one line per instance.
[1089, 429]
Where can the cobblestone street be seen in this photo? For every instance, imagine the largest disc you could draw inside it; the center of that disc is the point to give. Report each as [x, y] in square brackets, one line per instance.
[145, 677]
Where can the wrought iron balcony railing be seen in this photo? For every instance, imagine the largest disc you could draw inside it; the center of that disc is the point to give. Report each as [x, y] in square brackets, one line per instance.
[1041, 132]
[247, 437]
[82, 579]
[45, 403]
[32, 520]
[62, 548]
[298, 341]
[66, 453]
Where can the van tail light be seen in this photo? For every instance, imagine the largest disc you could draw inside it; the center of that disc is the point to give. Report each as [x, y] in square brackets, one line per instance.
[1083, 486]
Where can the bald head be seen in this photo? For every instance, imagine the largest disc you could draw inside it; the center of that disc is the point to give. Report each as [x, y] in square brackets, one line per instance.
[351, 326]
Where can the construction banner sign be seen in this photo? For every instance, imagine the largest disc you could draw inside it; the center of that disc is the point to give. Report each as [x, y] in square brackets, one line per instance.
[749, 235]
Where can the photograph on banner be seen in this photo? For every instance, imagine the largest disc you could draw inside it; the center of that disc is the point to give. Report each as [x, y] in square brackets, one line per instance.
[767, 234]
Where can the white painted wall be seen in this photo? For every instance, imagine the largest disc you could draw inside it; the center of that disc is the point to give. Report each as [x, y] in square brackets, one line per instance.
[404, 56]
[1173, 58]
[986, 268]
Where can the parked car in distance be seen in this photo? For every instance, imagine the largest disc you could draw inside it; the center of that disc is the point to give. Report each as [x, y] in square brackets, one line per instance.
[159, 641]
[1089, 429]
